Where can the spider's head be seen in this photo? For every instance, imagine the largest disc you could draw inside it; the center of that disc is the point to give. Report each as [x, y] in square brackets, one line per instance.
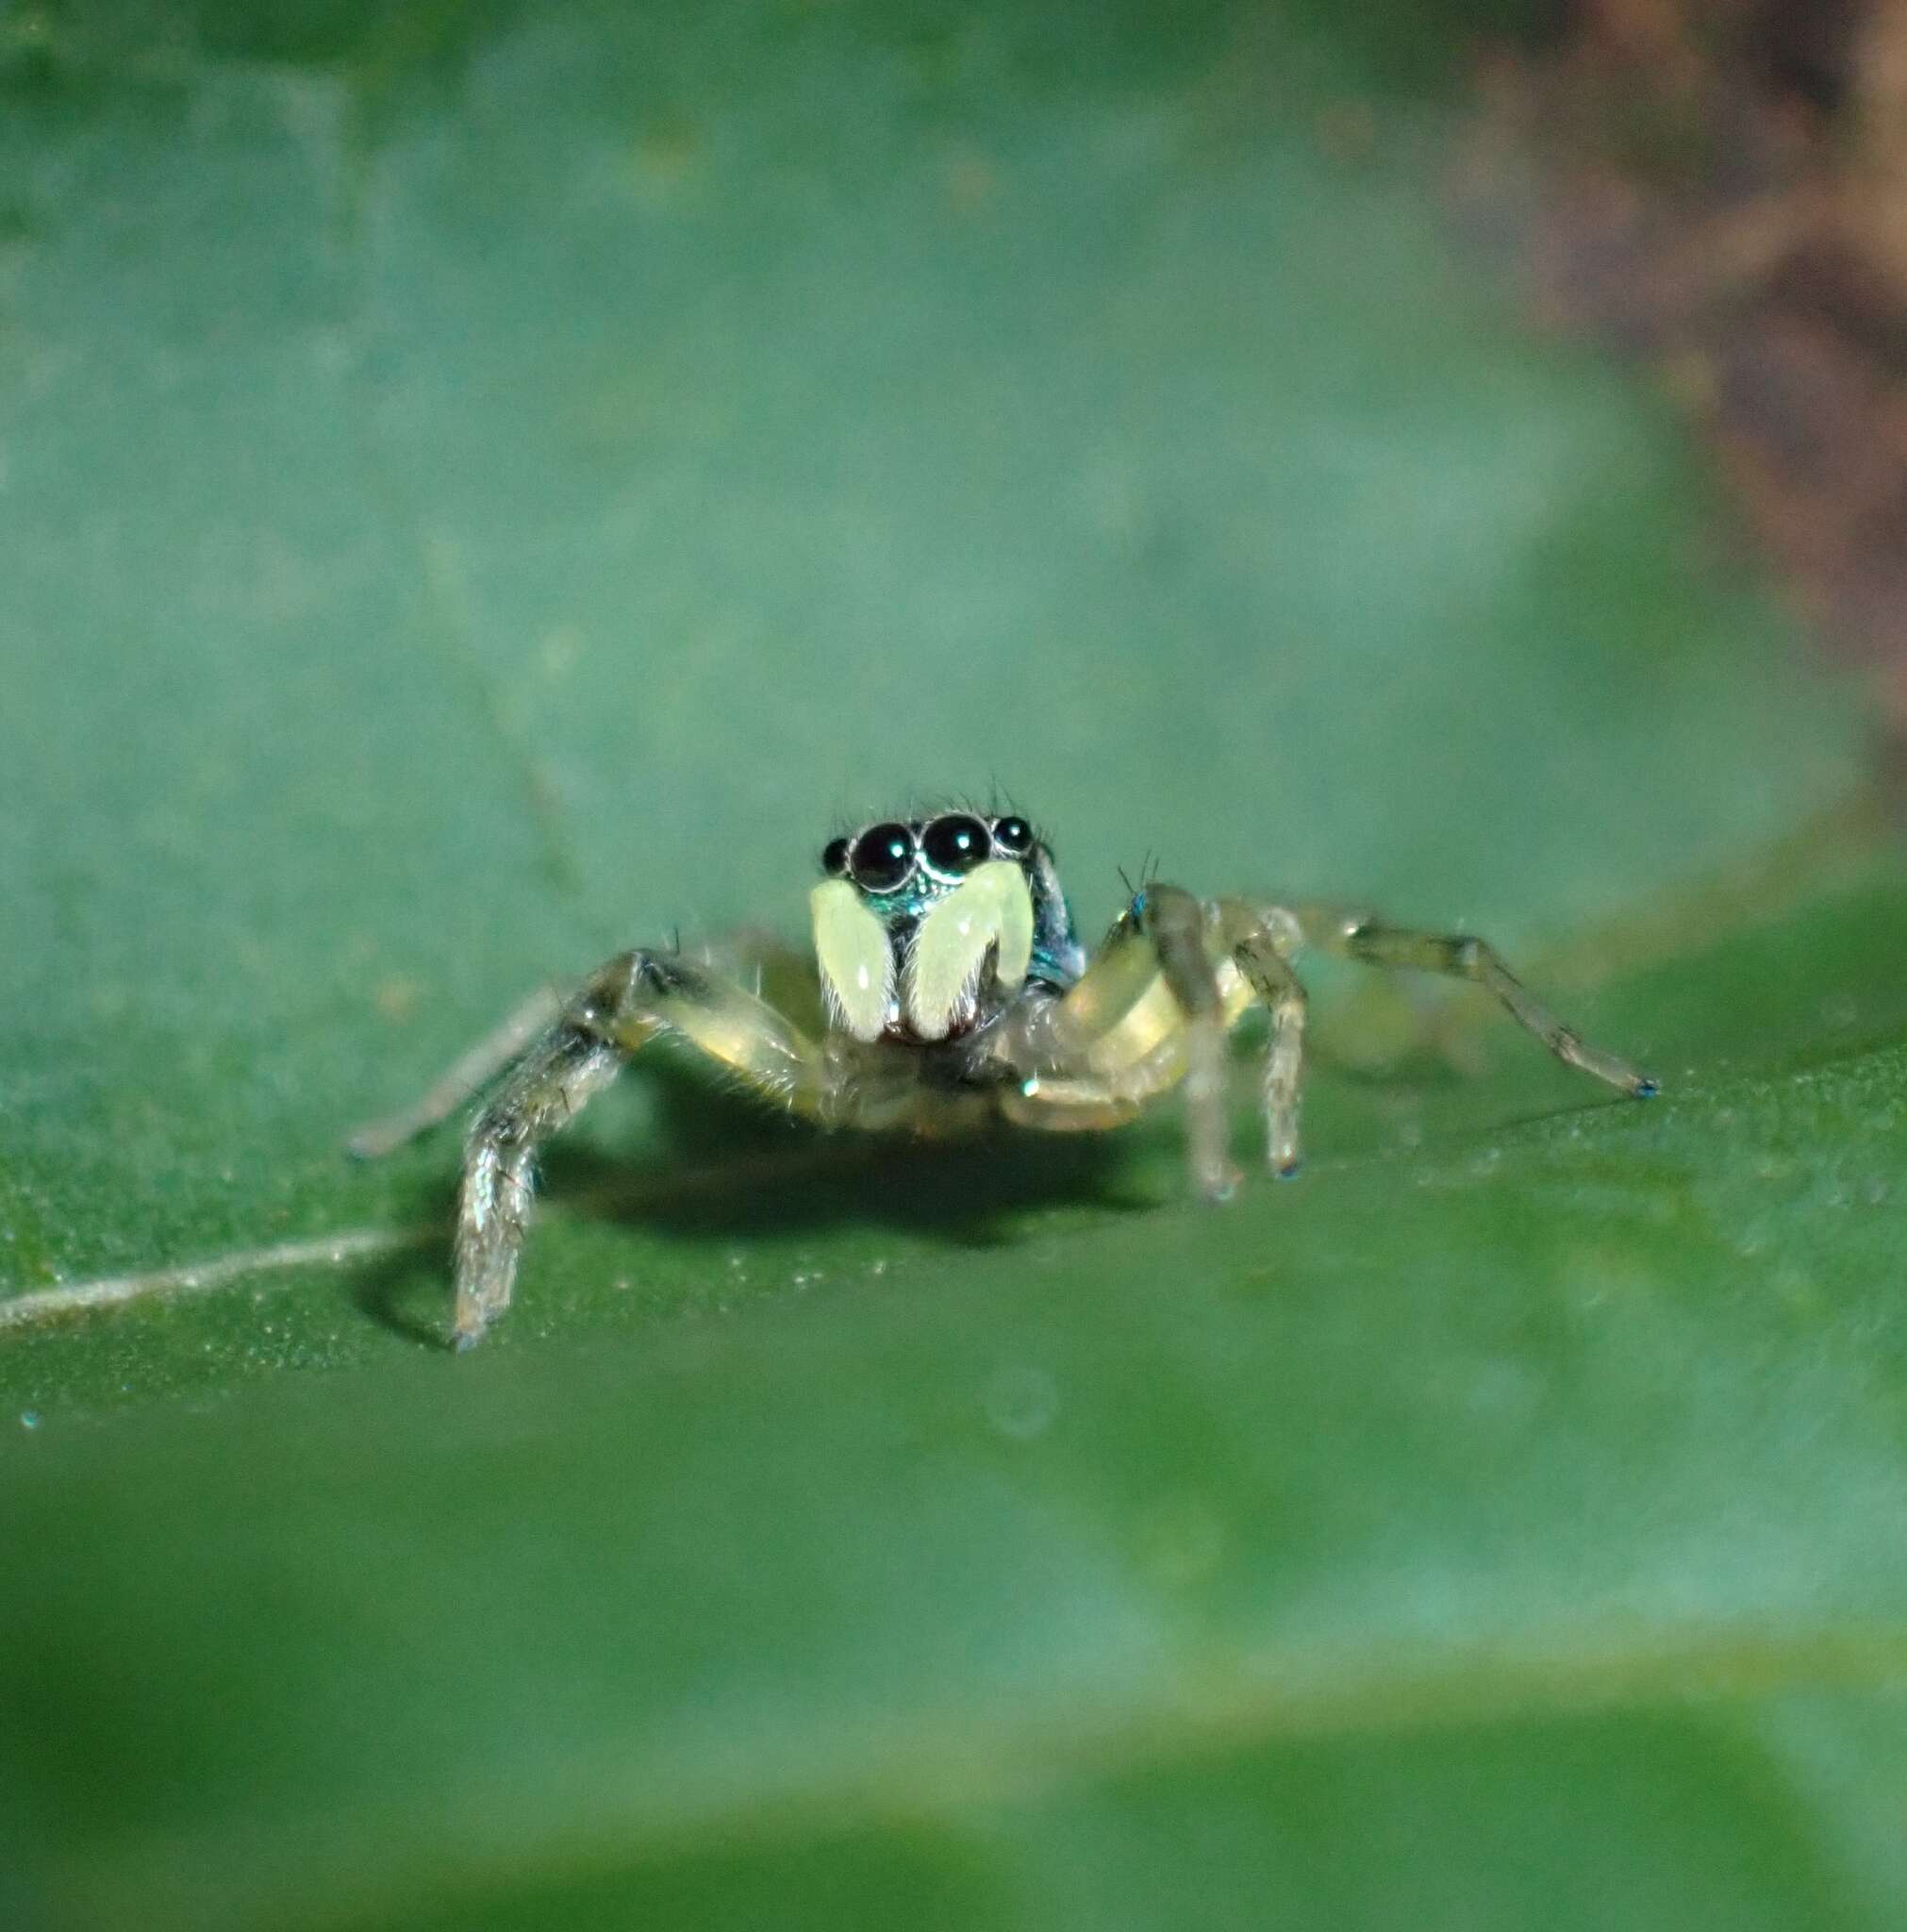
[922, 922]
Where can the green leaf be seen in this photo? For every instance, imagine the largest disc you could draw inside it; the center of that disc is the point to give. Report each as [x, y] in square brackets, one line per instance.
[478, 488]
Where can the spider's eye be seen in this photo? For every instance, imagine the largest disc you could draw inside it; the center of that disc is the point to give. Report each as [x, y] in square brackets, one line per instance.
[1014, 836]
[955, 844]
[835, 857]
[882, 858]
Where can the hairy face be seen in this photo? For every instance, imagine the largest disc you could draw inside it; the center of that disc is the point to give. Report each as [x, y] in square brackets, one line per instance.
[917, 921]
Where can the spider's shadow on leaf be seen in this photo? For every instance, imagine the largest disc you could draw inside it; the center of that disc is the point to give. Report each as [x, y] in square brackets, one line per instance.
[736, 1171]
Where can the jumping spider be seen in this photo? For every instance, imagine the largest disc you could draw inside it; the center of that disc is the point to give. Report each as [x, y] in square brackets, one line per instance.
[956, 990]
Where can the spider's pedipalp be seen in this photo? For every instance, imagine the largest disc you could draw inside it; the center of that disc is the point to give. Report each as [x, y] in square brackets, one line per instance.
[856, 958]
[987, 917]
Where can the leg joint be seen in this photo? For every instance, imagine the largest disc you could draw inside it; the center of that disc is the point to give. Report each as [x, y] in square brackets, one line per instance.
[663, 973]
[631, 983]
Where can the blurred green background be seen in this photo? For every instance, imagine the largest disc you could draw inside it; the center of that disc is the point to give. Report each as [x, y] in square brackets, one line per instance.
[482, 486]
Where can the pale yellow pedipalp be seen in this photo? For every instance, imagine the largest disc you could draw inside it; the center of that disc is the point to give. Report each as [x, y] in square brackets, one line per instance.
[990, 908]
[855, 961]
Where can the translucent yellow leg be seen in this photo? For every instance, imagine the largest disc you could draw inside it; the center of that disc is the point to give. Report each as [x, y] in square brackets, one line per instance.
[1358, 936]
[1152, 1009]
[629, 1003]
[1259, 942]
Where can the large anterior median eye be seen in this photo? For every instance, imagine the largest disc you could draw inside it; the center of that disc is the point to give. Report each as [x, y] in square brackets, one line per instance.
[882, 858]
[953, 845]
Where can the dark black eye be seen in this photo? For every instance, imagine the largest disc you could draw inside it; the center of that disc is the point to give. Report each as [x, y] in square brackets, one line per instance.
[835, 857]
[956, 843]
[1013, 836]
[882, 858]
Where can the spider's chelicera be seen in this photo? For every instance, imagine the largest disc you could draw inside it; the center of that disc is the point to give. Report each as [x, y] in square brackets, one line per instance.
[955, 989]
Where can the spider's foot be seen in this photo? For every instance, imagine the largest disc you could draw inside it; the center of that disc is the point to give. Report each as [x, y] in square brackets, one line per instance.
[1643, 1087]
[1219, 1185]
[470, 1326]
[1290, 1169]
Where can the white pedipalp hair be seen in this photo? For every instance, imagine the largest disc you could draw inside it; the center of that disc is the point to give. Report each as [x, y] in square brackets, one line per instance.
[856, 958]
[988, 916]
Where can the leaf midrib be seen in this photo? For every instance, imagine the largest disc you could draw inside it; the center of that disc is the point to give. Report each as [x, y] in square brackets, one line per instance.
[839, 1155]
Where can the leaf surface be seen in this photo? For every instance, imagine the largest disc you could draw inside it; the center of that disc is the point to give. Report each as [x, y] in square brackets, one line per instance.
[488, 490]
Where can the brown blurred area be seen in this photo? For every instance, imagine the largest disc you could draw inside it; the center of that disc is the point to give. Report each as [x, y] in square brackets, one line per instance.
[1719, 187]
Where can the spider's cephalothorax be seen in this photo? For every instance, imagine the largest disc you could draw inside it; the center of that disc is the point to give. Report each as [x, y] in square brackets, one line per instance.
[924, 929]
[955, 991]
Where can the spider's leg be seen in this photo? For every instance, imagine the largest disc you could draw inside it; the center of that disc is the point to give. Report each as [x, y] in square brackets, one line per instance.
[472, 1070]
[760, 961]
[1085, 1105]
[633, 999]
[1260, 941]
[551, 1083]
[1358, 936]
[1174, 921]
[1152, 1008]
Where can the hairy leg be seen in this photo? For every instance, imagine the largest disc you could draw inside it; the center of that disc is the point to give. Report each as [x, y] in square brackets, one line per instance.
[547, 1087]
[1152, 1008]
[631, 1001]
[761, 962]
[1156, 1001]
[1175, 923]
[1261, 939]
[460, 1082]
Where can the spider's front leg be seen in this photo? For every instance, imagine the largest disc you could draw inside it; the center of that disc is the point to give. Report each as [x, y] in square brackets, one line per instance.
[1176, 971]
[1175, 923]
[625, 1005]
[545, 1089]
[1261, 939]
[1154, 1009]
